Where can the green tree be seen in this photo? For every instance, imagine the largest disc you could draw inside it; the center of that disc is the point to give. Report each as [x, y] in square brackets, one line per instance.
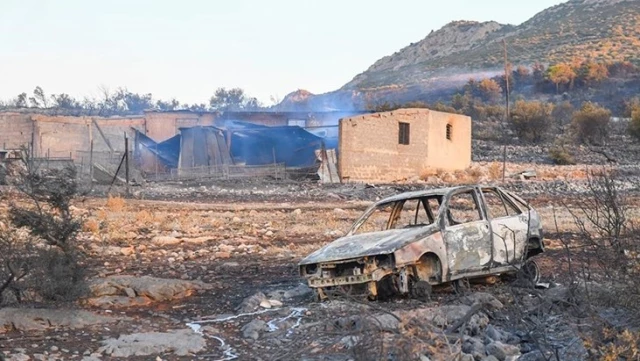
[64, 101]
[634, 124]
[489, 90]
[172, 104]
[590, 124]
[39, 99]
[521, 74]
[233, 99]
[531, 120]
[20, 101]
[133, 102]
[592, 73]
[561, 73]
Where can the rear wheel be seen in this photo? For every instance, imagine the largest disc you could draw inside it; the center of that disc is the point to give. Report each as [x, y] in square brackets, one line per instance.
[420, 290]
[530, 272]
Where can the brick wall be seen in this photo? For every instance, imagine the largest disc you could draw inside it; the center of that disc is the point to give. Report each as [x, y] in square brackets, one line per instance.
[15, 130]
[370, 149]
[64, 136]
[161, 126]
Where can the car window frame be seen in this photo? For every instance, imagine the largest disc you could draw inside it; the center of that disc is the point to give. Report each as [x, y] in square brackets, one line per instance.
[479, 206]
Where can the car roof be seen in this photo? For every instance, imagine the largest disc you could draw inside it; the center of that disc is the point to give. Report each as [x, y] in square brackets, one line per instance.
[422, 193]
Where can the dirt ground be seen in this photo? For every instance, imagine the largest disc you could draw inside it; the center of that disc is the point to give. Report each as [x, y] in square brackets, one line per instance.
[239, 245]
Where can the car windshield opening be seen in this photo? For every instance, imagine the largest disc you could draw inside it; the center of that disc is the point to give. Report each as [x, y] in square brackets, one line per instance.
[405, 213]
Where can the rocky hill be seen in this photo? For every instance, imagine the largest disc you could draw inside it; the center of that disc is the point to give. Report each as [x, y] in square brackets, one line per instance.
[602, 30]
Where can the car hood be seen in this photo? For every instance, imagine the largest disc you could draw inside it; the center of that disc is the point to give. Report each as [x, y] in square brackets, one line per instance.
[368, 244]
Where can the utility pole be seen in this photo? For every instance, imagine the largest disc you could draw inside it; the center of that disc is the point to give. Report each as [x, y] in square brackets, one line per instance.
[506, 115]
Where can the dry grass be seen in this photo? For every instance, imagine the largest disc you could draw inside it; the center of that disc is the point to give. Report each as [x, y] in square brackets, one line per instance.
[91, 225]
[115, 204]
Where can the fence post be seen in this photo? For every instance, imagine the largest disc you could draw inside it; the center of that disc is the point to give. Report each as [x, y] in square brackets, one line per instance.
[91, 162]
[126, 154]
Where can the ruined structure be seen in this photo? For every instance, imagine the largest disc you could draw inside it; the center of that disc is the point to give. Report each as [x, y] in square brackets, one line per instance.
[400, 144]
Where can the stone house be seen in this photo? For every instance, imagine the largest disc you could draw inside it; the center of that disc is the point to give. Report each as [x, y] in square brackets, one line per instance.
[401, 144]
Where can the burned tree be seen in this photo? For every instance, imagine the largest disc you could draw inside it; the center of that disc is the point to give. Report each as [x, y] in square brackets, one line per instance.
[39, 254]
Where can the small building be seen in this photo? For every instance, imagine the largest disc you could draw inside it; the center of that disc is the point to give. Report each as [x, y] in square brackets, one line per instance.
[401, 144]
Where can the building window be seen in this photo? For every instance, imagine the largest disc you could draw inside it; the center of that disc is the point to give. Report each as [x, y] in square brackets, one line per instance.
[403, 135]
[449, 131]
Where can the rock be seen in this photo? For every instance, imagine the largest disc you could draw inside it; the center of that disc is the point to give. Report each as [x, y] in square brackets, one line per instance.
[197, 240]
[127, 251]
[268, 233]
[38, 319]
[275, 303]
[265, 303]
[108, 302]
[501, 350]
[483, 298]
[301, 290]
[251, 303]
[532, 356]
[152, 288]
[165, 240]
[494, 334]
[473, 346]
[253, 329]
[490, 358]
[574, 351]
[297, 212]
[340, 213]
[179, 342]
[349, 342]
[222, 255]
[466, 357]
[19, 357]
[334, 233]
[236, 220]
[130, 292]
[92, 357]
[226, 248]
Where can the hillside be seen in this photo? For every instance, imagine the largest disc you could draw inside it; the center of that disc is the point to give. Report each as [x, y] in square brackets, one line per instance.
[602, 30]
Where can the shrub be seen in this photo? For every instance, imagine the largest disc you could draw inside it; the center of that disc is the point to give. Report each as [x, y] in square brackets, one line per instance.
[531, 120]
[590, 124]
[44, 261]
[560, 156]
[634, 124]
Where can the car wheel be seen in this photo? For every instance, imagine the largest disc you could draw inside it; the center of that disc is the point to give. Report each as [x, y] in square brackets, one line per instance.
[530, 272]
[421, 290]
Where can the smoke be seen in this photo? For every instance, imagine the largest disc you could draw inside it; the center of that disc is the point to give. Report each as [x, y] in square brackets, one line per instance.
[438, 87]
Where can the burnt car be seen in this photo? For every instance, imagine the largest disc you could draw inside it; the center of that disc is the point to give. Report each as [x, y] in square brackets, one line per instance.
[412, 241]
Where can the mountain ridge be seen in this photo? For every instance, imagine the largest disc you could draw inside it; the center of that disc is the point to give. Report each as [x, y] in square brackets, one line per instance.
[577, 28]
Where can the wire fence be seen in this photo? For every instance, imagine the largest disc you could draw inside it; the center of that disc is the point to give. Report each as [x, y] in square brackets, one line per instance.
[84, 160]
[275, 171]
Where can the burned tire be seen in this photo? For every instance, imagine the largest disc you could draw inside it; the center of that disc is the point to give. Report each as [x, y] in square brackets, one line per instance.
[421, 290]
[530, 272]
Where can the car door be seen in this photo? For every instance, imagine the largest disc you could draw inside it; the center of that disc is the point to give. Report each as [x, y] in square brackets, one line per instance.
[466, 233]
[508, 227]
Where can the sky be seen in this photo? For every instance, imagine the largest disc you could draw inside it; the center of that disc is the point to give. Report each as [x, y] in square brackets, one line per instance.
[186, 49]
